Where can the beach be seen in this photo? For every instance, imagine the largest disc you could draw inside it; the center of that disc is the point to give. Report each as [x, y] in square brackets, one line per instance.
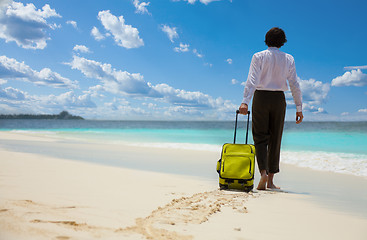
[48, 197]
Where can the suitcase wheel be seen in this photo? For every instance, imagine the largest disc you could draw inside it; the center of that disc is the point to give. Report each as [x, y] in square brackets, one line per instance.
[223, 186]
[248, 189]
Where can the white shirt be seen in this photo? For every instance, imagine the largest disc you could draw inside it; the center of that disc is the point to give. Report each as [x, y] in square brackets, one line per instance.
[269, 70]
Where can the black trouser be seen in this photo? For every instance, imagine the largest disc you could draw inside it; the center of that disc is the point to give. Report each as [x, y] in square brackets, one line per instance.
[268, 112]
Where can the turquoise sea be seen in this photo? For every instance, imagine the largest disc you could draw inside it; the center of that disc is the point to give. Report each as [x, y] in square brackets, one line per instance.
[326, 146]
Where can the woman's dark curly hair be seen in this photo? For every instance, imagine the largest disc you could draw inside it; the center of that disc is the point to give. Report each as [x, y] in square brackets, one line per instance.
[275, 37]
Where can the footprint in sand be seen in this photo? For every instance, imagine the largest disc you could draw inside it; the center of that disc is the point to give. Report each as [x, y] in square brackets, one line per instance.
[163, 221]
[62, 237]
[195, 209]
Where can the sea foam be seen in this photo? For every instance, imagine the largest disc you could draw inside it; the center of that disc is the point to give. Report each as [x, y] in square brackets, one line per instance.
[346, 163]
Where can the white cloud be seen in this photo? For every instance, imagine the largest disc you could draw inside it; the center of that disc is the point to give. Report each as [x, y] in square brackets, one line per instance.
[97, 34]
[170, 31]
[13, 100]
[362, 110]
[195, 99]
[182, 97]
[234, 81]
[95, 91]
[344, 113]
[355, 67]
[316, 110]
[124, 35]
[81, 48]
[134, 85]
[181, 110]
[182, 48]
[197, 53]
[353, 78]
[4, 3]
[229, 61]
[314, 92]
[114, 81]
[72, 23]
[127, 111]
[117, 104]
[68, 99]
[11, 69]
[26, 25]
[150, 105]
[141, 7]
[10, 93]
[172, 34]
[206, 2]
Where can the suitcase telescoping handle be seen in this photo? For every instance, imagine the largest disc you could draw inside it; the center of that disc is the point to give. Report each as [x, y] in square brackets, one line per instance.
[235, 127]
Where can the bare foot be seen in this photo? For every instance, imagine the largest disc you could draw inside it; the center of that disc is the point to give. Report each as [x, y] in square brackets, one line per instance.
[262, 182]
[272, 186]
[270, 181]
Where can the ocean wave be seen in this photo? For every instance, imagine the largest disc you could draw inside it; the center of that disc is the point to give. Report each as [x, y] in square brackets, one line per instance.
[347, 163]
[34, 132]
[185, 146]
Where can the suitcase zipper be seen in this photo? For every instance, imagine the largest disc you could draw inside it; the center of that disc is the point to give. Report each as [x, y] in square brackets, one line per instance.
[225, 150]
[223, 162]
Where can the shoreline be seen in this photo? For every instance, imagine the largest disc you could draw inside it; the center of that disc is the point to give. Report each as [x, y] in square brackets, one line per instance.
[338, 191]
[50, 197]
[353, 162]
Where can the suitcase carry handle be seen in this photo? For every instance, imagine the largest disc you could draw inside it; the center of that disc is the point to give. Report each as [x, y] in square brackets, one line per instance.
[235, 128]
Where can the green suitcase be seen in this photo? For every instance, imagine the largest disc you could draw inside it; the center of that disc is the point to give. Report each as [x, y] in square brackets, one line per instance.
[236, 167]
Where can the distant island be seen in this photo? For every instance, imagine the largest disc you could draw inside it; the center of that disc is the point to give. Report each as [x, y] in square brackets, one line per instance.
[64, 115]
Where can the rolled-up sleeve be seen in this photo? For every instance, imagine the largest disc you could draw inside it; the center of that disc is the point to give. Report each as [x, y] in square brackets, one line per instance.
[294, 86]
[252, 79]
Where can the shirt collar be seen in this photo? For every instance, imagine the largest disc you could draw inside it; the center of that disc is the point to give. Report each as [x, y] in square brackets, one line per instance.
[273, 48]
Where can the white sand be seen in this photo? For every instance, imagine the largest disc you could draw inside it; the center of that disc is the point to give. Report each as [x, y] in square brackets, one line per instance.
[43, 197]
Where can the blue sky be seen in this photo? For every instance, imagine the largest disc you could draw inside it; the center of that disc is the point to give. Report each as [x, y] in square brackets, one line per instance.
[176, 59]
